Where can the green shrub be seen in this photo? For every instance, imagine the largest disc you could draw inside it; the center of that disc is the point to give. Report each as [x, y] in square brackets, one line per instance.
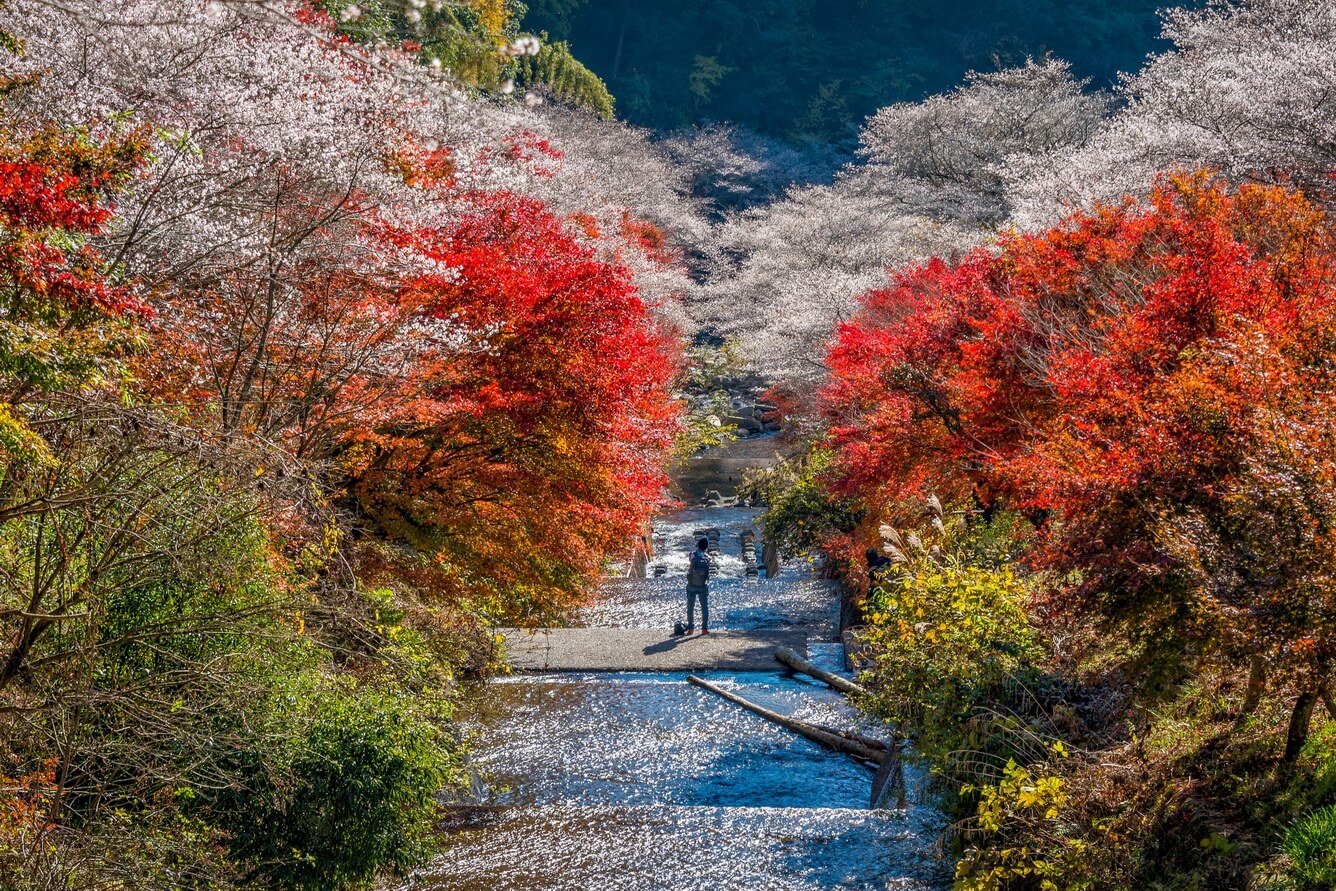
[1029, 803]
[566, 78]
[1313, 785]
[802, 514]
[707, 392]
[349, 795]
[947, 639]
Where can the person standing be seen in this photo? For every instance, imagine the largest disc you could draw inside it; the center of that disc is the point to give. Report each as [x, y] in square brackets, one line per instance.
[698, 578]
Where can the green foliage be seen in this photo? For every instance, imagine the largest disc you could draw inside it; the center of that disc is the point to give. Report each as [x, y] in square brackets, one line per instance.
[1059, 785]
[1315, 785]
[959, 668]
[563, 77]
[710, 368]
[208, 591]
[814, 70]
[827, 111]
[195, 659]
[374, 20]
[706, 73]
[349, 792]
[705, 425]
[1034, 799]
[166, 564]
[19, 443]
[559, 12]
[949, 638]
[801, 512]
[1301, 818]
[710, 373]
[1310, 845]
[464, 37]
[65, 323]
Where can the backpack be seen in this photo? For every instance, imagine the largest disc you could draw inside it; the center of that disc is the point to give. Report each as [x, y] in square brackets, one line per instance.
[699, 573]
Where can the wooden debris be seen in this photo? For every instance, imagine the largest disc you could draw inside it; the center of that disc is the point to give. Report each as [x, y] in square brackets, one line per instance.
[790, 658]
[859, 747]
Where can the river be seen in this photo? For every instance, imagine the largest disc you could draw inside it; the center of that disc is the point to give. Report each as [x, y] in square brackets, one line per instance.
[631, 782]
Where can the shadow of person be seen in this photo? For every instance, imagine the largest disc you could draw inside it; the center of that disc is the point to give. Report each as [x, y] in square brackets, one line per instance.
[664, 646]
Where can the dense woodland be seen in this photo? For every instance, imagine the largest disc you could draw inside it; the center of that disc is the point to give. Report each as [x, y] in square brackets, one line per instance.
[334, 335]
[810, 70]
[315, 366]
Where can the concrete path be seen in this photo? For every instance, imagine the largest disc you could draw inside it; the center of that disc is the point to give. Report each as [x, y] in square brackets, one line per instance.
[641, 649]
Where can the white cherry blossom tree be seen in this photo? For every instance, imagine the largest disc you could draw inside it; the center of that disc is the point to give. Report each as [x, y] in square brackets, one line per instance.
[1249, 88]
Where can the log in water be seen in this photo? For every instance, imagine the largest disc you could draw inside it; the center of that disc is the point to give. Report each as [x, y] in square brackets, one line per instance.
[859, 747]
[790, 657]
[636, 782]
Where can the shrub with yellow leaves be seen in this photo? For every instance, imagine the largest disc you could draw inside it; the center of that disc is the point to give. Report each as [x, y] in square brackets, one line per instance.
[948, 634]
[1029, 802]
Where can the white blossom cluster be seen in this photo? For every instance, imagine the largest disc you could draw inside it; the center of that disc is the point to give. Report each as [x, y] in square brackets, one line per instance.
[259, 120]
[610, 165]
[933, 183]
[528, 45]
[1249, 89]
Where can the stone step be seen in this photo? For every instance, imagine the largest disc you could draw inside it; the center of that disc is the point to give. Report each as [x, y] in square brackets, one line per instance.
[646, 649]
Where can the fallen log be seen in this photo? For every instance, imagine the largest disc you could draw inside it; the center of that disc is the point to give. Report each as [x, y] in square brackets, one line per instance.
[877, 744]
[861, 748]
[798, 663]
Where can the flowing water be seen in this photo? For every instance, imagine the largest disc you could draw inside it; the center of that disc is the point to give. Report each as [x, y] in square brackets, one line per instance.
[641, 781]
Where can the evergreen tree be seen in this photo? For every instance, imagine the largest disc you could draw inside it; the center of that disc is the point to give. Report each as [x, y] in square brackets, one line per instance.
[563, 77]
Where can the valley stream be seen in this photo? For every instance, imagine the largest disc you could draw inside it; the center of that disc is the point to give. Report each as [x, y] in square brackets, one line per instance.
[632, 782]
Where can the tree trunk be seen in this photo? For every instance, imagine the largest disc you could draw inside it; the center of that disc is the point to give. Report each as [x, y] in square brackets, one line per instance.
[851, 744]
[18, 656]
[1256, 686]
[641, 551]
[798, 663]
[15, 659]
[1325, 692]
[1300, 718]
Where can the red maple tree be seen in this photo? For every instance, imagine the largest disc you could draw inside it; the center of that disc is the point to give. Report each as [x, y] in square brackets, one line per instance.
[63, 313]
[1153, 384]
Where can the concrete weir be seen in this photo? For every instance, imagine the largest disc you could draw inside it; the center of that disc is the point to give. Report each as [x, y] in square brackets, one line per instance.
[643, 649]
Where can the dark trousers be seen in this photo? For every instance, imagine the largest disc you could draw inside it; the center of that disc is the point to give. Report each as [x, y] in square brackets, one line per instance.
[704, 596]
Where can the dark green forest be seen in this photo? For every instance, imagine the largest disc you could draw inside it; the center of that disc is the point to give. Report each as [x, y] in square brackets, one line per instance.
[813, 69]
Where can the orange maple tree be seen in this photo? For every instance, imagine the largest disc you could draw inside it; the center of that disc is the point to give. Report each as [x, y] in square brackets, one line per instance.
[63, 315]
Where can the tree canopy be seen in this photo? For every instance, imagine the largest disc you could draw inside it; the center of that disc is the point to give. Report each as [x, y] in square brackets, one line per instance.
[800, 68]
